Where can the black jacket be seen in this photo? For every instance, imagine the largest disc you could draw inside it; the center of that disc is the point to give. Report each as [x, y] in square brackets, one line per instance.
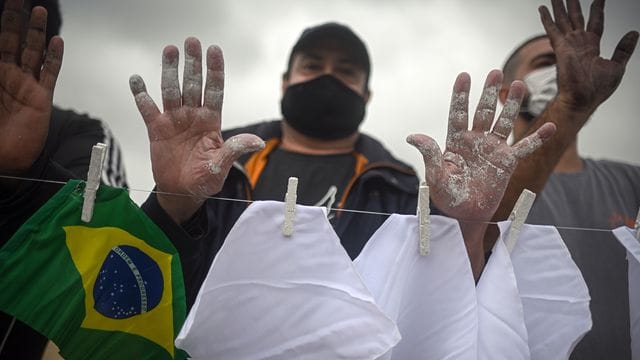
[384, 184]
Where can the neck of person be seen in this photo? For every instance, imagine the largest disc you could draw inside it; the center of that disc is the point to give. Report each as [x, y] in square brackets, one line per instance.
[570, 162]
[294, 141]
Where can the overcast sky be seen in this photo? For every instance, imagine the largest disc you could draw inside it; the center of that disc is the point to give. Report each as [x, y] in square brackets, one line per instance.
[417, 48]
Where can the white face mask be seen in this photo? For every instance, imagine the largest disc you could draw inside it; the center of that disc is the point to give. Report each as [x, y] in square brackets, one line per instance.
[542, 87]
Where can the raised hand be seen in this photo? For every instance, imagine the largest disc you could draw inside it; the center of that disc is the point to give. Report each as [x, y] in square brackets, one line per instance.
[27, 81]
[467, 181]
[585, 79]
[188, 154]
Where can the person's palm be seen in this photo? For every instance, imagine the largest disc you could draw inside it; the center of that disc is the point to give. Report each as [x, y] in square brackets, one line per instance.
[26, 89]
[468, 180]
[188, 155]
[585, 78]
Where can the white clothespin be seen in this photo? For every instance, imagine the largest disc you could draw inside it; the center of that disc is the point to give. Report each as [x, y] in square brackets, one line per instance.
[638, 225]
[290, 206]
[98, 153]
[518, 217]
[423, 213]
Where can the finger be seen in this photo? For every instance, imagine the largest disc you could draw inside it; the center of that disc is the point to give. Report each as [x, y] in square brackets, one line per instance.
[487, 106]
[11, 23]
[145, 104]
[169, 83]
[509, 112]
[549, 26]
[431, 154]
[192, 80]
[214, 87]
[561, 17]
[575, 14]
[35, 42]
[458, 111]
[596, 18]
[235, 147]
[531, 143]
[625, 48]
[52, 63]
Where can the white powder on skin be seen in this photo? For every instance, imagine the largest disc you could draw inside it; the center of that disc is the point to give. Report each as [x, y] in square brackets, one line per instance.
[192, 77]
[214, 169]
[510, 109]
[527, 145]
[170, 87]
[456, 189]
[213, 98]
[489, 97]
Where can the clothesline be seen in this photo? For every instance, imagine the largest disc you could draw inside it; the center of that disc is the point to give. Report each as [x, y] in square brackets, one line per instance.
[250, 201]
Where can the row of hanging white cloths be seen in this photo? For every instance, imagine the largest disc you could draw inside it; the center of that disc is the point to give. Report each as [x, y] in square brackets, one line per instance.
[628, 239]
[532, 304]
[268, 296]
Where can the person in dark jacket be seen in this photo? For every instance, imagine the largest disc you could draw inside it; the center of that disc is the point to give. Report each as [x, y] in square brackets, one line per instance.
[69, 139]
[325, 92]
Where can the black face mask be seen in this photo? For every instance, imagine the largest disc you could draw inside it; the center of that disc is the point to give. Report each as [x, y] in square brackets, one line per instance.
[323, 108]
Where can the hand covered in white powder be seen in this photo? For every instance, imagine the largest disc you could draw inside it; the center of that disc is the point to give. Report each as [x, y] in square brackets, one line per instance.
[188, 154]
[468, 180]
[27, 80]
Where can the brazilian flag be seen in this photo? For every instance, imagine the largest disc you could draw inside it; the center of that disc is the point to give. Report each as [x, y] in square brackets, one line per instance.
[108, 289]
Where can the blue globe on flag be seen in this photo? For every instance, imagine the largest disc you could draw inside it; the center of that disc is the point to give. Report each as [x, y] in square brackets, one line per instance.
[129, 283]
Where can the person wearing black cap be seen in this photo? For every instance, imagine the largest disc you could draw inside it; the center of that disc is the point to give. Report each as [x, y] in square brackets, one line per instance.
[324, 95]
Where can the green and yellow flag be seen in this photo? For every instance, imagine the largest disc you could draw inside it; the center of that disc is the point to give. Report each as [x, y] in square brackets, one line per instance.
[108, 289]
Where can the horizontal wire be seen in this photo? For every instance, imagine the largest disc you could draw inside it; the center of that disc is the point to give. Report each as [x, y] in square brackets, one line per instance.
[251, 201]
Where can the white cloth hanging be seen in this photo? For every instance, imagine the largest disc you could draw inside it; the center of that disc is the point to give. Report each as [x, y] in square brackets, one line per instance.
[502, 333]
[272, 297]
[627, 238]
[554, 296]
[431, 298]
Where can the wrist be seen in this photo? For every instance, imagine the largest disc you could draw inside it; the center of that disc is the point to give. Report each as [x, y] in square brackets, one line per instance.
[473, 234]
[572, 105]
[179, 207]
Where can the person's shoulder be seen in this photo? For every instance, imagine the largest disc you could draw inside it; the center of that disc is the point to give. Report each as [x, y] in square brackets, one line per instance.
[375, 151]
[612, 166]
[68, 119]
[62, 114]
[266, 130]
[619, 174]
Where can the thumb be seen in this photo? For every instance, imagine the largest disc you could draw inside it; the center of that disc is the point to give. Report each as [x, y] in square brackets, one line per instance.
[237, 146]
[431, 154]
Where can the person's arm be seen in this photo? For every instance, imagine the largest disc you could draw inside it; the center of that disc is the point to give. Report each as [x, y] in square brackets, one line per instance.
[71, 138]
[189, 158]
[585, 80]
[468, 180]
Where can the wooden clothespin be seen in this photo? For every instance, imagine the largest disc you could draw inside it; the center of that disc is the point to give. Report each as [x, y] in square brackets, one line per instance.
[290, 206]
[518, 217]
[98, 153]
[423, 213]
[637, 228]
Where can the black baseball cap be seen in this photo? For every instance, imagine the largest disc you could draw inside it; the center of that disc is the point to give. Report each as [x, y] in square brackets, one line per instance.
[337, 33]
